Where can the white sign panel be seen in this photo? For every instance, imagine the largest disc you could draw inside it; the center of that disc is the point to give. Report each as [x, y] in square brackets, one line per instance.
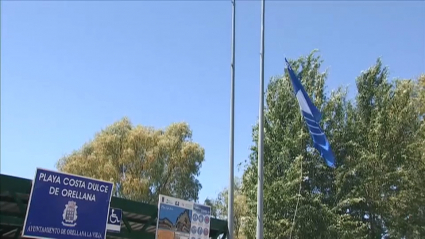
[180, 219]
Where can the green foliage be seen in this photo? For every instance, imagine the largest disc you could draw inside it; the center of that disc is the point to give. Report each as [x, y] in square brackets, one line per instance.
[378, 140]
[142, 162]
[219, 208]
[386, 158]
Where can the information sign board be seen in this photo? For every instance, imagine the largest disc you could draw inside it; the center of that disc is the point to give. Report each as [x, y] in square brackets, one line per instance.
[201, 217]
[66, 206]
[180, 219]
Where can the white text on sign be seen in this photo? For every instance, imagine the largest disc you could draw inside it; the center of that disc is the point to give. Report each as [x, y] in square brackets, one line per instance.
[71, 182]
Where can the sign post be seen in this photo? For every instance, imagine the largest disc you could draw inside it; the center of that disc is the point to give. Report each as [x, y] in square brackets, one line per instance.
[66, 206]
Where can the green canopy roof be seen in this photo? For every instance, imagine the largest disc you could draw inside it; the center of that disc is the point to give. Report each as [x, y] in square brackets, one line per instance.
[139, 219]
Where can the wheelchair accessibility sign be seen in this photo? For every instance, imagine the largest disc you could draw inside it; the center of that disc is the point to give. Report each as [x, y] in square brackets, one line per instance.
[114, 220]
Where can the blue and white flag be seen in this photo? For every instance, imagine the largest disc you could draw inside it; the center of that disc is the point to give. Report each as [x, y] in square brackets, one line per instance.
[312, 117]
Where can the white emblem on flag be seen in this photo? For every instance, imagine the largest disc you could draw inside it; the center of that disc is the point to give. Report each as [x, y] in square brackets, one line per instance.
[70, 214]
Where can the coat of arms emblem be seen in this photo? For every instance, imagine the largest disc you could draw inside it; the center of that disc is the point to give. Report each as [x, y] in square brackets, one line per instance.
[70, 214]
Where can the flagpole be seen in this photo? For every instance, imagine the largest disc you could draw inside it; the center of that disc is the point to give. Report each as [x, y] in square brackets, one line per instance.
[261, 134]
[232, 130]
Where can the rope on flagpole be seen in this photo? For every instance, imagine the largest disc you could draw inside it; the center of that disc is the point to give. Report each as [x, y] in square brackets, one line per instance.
[298, 201]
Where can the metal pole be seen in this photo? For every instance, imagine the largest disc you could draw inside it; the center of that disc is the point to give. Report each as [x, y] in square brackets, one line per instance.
[232, 130]
[261, 134]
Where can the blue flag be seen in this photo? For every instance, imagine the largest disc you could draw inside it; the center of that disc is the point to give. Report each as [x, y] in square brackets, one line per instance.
[312, 117]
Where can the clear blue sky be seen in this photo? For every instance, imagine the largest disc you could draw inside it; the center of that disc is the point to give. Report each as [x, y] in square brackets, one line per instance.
[69, 69]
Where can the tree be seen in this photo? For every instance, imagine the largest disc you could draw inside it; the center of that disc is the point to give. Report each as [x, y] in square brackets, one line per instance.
[142, 162]
[220, 204]
[420, 94]
[287, 146]
[381, 187]
[378, 140]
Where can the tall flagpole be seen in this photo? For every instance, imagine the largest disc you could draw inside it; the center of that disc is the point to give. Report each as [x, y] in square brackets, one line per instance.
[232, 129]
[261, 134]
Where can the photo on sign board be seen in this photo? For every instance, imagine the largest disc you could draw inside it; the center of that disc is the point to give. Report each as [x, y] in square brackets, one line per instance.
[174, 218]
[165, 234]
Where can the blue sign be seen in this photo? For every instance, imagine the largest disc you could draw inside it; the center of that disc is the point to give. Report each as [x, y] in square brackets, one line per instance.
[114, 219]
[67, 206]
